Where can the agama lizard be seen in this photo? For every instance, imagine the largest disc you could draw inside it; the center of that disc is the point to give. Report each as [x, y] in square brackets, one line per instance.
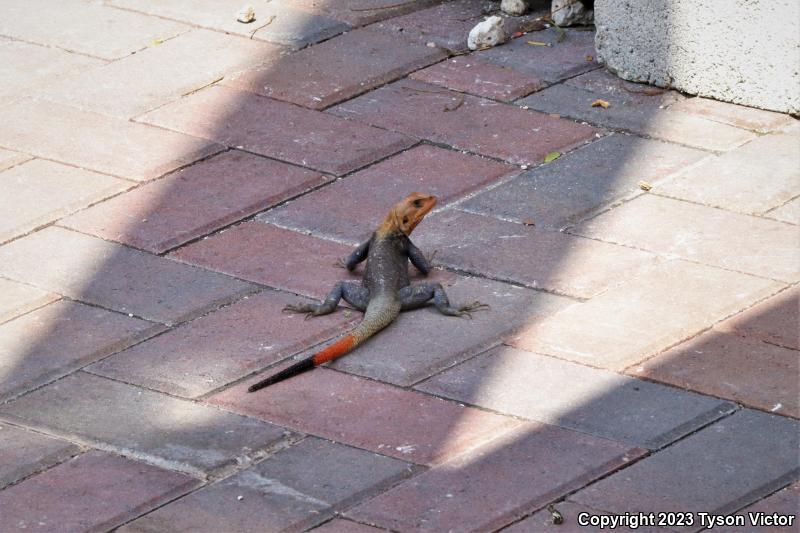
[385, 288]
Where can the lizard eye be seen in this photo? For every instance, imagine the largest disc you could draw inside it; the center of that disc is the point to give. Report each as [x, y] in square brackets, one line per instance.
[417, 203]
[405, 220]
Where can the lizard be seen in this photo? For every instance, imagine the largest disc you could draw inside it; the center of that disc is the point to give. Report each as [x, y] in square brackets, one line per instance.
[385, 289]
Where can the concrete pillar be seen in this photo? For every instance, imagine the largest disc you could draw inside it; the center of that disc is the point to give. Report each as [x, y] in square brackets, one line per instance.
[741, 51]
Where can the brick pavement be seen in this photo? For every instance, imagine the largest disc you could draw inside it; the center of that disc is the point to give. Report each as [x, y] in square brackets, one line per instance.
[171, 178]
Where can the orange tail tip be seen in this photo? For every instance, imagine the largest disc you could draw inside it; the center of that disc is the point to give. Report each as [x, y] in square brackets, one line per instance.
[335, 350]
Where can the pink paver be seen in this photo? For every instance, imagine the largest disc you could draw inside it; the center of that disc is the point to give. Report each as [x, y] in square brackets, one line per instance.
[116, 277]
[59, 338]
[271, 256]
[74, 496]
[492, 485]
[276, 129]
[194, 201]
[223, 346]
[475, 76]
[330, 72]
[367, 414]
[351, 210]
[465, 122]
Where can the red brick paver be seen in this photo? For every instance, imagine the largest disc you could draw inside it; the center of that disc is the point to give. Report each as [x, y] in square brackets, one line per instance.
[569, 53]
[330, 72]
[447, 25]
[745, 370]
[218, 348]
[476, 76]
[788, 212]
[489, 487]
[371, 415]
[194, 201]
[292, 490]
[59, 338]
[9, 159]
[279, 130]
[117, 277]
[74, 496]
[465, 122]
[351, 210]
[717, 470]
[24, 452]
[272, 256]
[441, 341]
[774, 320]
[340, 525]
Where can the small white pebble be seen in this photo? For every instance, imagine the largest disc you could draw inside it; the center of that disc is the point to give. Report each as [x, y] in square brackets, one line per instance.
[130, 315]
[247, 14]
[240, 497]
[430, 44]
[524, 167]
[524, 107]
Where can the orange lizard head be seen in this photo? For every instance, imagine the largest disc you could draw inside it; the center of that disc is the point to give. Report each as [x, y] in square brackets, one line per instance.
[407, 213]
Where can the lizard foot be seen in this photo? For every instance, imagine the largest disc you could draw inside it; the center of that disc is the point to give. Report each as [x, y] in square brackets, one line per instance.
[310, 310]
[340, 263]
[298, 308]
[466, 310]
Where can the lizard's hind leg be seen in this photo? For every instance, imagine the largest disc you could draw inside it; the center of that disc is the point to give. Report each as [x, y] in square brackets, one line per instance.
[356, 295]
[351, 292]
[418, 295]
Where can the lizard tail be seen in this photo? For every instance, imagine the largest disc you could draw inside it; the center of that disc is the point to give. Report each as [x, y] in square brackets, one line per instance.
[379, 314]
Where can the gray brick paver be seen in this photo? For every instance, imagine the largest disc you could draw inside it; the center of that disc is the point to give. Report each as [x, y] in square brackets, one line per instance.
[162, 430]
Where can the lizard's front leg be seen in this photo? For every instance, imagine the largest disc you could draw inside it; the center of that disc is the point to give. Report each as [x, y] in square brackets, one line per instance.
[353, 293]
[419, 294]
[358, 255]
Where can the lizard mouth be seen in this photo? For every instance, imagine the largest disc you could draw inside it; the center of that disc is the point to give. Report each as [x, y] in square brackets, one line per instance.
[422, 207]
